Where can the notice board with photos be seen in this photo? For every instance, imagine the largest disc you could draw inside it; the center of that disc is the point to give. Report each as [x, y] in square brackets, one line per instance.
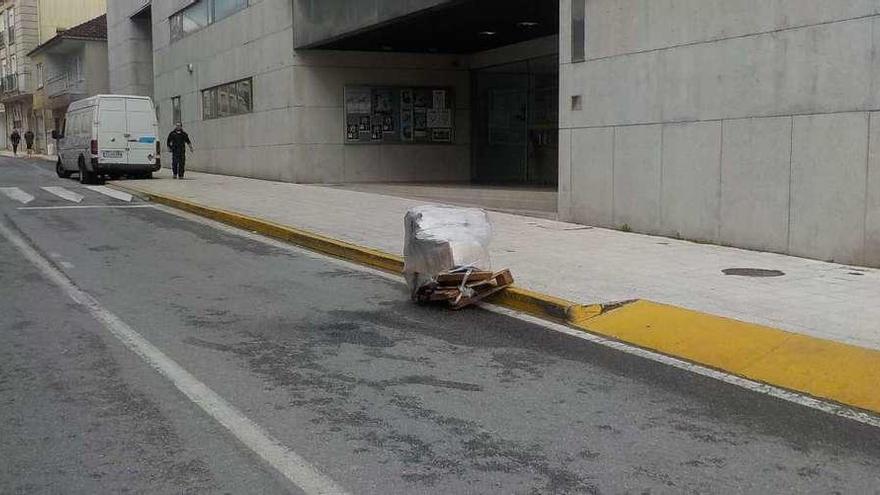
[399, 115]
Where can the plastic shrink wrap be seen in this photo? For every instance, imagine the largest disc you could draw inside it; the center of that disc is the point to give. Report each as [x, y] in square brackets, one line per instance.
[442, 238]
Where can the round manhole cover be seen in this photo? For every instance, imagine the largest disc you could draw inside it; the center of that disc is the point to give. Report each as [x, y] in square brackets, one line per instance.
[752, 272]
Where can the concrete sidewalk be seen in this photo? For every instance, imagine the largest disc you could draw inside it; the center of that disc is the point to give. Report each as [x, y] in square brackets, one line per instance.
[582, 264]
[23, 154]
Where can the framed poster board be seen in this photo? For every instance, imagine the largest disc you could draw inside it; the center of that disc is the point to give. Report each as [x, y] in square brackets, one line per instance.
[399, 115]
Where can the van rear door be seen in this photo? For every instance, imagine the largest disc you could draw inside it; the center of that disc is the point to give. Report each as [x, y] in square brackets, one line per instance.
[112, 130]
[142, 131]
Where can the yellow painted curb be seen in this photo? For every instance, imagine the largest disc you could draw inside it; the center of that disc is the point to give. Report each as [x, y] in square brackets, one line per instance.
[820, 368]
[315, 242]
[828, 370]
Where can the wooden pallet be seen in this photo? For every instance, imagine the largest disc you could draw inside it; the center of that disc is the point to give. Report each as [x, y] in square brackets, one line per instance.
[460, 289]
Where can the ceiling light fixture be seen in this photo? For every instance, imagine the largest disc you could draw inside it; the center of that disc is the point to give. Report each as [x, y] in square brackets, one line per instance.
[488, 33]
[527, 24]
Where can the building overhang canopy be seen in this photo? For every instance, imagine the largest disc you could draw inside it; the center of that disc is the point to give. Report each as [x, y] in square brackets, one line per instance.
[144, 12]
[462, 26]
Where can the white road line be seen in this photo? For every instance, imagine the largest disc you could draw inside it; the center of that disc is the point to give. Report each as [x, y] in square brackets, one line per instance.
[761, 388]
[17, 194]
[84, 207]
[113, 193]
[287, 462]
[64, 193]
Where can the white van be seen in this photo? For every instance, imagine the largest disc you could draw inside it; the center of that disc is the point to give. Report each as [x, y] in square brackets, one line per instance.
[108, 135]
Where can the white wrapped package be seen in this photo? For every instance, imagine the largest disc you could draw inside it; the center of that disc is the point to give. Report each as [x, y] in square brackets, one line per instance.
[440, 238]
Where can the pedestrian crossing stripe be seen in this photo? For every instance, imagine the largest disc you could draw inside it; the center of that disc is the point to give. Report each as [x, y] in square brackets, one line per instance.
[64, 193]
[17, 194]
[122, 196]
[23, 197]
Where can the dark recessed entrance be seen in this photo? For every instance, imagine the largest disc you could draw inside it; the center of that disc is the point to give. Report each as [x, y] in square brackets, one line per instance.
[514, 106]
[516, 123]
[464, 26]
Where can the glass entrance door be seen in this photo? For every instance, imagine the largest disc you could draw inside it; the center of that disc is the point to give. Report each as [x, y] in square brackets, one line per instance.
[516, 122]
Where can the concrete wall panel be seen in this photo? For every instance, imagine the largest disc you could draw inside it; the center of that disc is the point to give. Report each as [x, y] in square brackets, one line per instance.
[691, 181]
[828, 186]
[363, 164]
[755, 176]
[811, 70]
[616, 27]
[637, 155]
[872, 210]
[315, 163]
[327, 19]
[592, 177]
[563, 197]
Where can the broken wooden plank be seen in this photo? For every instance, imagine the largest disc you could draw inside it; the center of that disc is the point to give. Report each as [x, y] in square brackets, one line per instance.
[457, 278]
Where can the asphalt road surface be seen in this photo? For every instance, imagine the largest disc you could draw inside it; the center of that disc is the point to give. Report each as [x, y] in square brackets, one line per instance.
[146, 351]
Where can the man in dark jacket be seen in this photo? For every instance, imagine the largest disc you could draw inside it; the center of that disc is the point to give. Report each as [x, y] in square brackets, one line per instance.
[177, 142]
[29, 141]
[15, 138]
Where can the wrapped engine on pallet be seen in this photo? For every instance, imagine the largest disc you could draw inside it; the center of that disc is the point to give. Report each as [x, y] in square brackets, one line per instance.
[442, 238]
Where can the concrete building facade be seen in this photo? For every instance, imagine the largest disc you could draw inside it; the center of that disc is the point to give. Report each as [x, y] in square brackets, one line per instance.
[68, 67]
[25, 25]
[742, 122]
[748, 123]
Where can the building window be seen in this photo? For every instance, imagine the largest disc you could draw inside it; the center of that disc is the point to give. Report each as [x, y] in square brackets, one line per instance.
[77, 69]
[10, 25]
[202, 13]
[39, 71]
[227, 99]
[578, 30]
[175, 110]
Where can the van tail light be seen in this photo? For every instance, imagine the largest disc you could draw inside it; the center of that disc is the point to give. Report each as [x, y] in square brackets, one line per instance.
[95, 147]
[158, 148]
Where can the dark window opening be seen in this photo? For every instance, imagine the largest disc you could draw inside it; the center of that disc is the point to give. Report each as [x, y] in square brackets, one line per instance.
[175, 110]
[578, 30]
[201, 14]
[229, 99]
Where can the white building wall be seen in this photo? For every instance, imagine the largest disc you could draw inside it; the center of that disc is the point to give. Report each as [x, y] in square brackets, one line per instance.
[739, 122]
[296, 131]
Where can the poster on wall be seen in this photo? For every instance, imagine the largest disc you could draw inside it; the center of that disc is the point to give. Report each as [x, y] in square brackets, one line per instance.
[401, 115]
[441, 135]
[357, 100]
[420, 121]
[364, 124]
[438, 118]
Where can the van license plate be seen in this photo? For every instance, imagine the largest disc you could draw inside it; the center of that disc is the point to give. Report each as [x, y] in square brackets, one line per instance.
[112, 154]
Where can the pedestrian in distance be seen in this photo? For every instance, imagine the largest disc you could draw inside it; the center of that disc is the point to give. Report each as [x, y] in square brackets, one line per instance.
[177, 142]
[15, 139]
[29, 141]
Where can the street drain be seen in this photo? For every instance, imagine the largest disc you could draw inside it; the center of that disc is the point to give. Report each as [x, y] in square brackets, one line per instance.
[752, 272]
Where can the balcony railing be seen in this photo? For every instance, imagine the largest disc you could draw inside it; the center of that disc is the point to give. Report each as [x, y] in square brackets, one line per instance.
[63, 84]
[11, 82]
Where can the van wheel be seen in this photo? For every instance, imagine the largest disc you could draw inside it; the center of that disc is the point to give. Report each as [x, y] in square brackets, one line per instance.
[85, 177]
[59, 169]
